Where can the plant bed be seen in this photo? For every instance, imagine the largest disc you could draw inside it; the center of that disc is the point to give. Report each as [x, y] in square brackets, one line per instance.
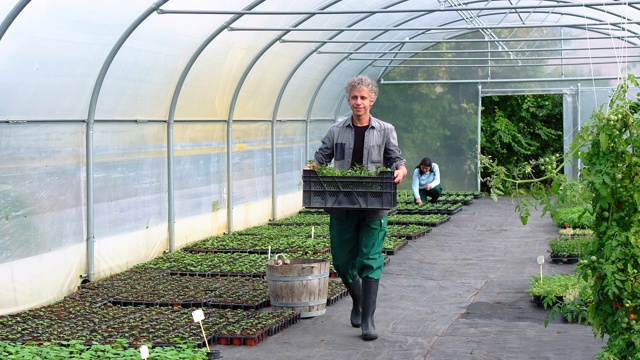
[252, 330]
[393, 244]
[550, 290]
[424, 220]
[336, 291]
[206, 265]
[449, 209]
[459, 198]
[409, 232]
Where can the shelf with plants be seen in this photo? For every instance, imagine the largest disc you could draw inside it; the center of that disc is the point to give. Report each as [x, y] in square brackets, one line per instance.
[575, 304]
[206, 264]
[183, 291]
[550, 290]
[568, 249]
[446, 209]
[428, 208]
[303, 220]
[252, 329]
[392, 244]
[431, 220]
[409, 232]
[408, 208]
[75, 349]
[109, 324]
[465, 193]
[456, 199]
[288, 239]
[336, 291]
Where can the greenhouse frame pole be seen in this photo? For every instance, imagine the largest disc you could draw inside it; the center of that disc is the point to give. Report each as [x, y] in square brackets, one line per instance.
[172, 112]
[89, 135]
[393, 11]
[479, 147]
[11, 16]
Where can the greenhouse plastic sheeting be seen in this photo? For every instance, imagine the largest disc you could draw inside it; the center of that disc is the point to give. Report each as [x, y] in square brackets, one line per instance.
[132, 128]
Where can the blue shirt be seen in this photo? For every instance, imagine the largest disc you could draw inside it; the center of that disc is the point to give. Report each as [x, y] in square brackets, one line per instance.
[431, 177]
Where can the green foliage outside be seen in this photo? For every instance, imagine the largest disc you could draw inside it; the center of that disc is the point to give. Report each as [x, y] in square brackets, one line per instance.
[518, 129]
[609, 148]
[440, 120]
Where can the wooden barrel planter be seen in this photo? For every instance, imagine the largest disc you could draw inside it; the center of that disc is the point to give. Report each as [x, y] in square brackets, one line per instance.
[301, 285]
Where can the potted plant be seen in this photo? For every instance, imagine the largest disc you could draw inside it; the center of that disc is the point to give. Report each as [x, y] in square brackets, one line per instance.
[550, 290]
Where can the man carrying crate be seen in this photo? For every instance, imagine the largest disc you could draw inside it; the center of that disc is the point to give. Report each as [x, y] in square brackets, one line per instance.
[357, 234]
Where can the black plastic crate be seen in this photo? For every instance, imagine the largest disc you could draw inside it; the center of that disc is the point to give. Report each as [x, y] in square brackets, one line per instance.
[349, 192]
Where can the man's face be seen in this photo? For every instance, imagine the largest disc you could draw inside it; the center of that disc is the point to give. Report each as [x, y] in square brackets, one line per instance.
[360, 101]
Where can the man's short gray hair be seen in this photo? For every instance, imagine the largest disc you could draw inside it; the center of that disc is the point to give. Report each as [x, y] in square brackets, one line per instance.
[361, 82]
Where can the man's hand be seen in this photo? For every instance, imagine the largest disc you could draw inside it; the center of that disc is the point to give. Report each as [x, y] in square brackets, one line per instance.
[419, 201]
[399, 174]
[428, 187]
[310, 166]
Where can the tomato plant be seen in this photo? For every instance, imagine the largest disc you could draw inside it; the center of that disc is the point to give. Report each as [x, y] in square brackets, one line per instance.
[609, 148]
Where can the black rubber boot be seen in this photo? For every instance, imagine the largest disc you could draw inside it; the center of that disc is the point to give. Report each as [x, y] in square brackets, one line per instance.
[355, 291]
[369, 297]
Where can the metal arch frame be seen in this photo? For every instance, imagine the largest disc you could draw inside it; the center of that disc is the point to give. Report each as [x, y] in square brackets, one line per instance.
[479, 90]
[11, 16]
[276, 106]
[552, 5]
[342, 60]
[90, 122]
[453, 36]
[317, 91]
[586, 28]
[463, 29]
[323, 80]
[115, 49]
[90, 236]
[232, 108]
[172, 110]
[274, 118]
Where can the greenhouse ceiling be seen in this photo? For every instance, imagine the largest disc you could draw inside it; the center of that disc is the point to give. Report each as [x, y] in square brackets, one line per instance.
[244, 60]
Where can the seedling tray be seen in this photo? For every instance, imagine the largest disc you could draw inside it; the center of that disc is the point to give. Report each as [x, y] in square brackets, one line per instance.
[349, 192]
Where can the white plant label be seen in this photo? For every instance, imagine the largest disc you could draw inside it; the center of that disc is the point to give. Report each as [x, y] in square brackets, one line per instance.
[198, 315]
[144, 351]
[540, 259]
